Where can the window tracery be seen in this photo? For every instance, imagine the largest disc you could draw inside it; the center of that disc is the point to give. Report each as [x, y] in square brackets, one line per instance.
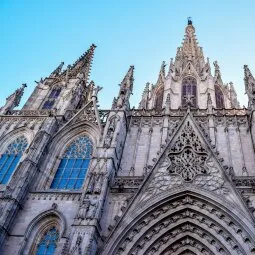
[187, 155]
[159, 98]
[74, 164]
[49, 103]
[11, 157]
[189, 92]
[219, 97]
[48, 243]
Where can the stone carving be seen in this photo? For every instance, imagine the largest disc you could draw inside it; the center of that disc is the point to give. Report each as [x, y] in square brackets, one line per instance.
[77, 248]
[95, 183]
[110, 132]
[188, 155]
[187, 161]
[91, 213]
[57, 71]
[83, 209]
[201, 217]
[99, 183]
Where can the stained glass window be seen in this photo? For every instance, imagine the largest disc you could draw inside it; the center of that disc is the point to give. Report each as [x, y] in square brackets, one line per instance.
[10, 158]
[55, 93]
[219, 97]
[159, 98]
[48, 243]
[74, 164]
[189, 92]
[51, 98]
[49, 104]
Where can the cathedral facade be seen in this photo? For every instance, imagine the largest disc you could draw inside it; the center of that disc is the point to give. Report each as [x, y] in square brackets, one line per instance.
[174, 176]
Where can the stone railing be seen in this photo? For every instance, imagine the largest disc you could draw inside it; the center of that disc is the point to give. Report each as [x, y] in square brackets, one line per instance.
[183, 111]
[30, 113]
[126, 184]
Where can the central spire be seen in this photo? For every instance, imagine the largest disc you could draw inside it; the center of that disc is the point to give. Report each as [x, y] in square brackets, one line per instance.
[190, 46]
[190, 51]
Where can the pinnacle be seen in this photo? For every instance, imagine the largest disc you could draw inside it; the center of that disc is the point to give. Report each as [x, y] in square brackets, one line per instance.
[161, 75]
[129, 76]
[58, 70]
[247, 71]
[87, 55]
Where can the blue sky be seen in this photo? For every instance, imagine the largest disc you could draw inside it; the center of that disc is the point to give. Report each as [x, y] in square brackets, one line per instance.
[37, 35]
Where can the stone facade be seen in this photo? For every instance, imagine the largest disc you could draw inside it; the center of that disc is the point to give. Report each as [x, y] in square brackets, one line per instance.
[174, 176]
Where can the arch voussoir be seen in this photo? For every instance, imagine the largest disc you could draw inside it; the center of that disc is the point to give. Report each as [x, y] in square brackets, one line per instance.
[205, 219]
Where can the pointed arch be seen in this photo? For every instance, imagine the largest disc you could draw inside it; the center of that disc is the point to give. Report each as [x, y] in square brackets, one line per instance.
[219, 97]
[38, 229]
[189, 91]
[74, 164]
[58, 146]
[166, 224]
[159, 98]
[10, 157]
[48, 242]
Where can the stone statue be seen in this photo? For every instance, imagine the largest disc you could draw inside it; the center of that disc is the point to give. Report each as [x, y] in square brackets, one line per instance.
[83, 210]
[92, 208]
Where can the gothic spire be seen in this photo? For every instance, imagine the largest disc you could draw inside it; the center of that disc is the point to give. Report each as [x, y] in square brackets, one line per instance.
[83, 65]
[190, 46]
[189, 52]
[13, 100]
[126, 88]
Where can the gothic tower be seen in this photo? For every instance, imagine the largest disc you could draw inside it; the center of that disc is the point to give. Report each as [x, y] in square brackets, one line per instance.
[174, 176]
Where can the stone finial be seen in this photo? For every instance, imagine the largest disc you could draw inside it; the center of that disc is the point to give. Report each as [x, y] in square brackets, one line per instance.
[189, 21]
[57, 71]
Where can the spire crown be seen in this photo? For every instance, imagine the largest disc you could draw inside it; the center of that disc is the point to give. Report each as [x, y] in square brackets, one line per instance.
[83, 64]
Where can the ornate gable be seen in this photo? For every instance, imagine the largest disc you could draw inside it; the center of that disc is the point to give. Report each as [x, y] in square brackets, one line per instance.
[186, 161]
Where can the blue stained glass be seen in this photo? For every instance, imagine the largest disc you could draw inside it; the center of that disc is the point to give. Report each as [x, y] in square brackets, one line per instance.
[48, 243]
[78, 163]
[78, 184]
[85, 163]
[10, 159]
[74, 164]
[71, 183]
[48, 104]
[55, 93]
[75, 173]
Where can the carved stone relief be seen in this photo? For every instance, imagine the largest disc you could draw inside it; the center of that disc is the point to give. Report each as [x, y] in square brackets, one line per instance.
[187, 161]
